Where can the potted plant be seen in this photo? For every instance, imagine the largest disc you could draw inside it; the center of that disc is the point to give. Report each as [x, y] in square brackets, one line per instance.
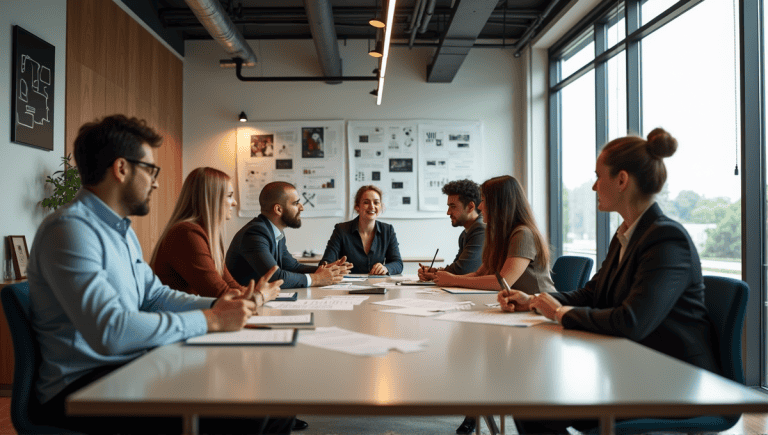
[65, 183]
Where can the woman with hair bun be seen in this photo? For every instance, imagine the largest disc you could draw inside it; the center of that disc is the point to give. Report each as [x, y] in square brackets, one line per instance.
[649, 288]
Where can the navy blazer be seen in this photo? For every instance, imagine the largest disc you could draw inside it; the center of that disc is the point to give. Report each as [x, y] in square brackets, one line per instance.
[254, 251]
[346, 240]
[654, 296]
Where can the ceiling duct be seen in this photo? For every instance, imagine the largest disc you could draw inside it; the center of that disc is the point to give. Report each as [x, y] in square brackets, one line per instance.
[216, 21]
[320, 16]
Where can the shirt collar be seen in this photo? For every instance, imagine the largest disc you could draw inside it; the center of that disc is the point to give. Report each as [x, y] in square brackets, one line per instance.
[103, 211]
[279, 234]
[626, 236]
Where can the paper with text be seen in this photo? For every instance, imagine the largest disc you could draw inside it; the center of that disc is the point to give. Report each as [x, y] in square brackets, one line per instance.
[355, 343]
[495, 317]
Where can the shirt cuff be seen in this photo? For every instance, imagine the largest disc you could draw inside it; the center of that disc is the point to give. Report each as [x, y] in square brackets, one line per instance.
[309, 280]
[560, 312]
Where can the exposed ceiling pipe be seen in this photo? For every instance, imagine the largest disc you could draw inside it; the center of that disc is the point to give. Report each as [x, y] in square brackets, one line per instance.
[422, 5]
[320, 16]
[215, 19]
[520, 43]
[413, 16]
[427, 16]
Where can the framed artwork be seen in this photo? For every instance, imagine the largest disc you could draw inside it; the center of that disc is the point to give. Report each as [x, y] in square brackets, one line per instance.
[32, 90]
[19, 255]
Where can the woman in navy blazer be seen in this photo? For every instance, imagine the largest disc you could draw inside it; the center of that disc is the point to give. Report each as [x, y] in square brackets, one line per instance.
[649, 288]
[370, 246]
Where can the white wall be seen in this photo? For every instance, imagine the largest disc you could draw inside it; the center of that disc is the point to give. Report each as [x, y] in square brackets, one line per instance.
[24, 168]
[489, 87]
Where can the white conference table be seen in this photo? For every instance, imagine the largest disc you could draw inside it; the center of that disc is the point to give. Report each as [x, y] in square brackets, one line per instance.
[466, 369]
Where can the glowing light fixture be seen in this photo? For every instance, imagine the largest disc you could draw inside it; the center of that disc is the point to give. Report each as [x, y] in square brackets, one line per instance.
[242, 117]
[377, 50]
[385, 53]
[380, 91]
[377, 22]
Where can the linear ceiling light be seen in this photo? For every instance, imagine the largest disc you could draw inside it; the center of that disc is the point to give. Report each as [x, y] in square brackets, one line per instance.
[387, 36]
[380, 91]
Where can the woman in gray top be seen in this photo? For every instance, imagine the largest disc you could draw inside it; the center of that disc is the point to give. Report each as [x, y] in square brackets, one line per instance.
[514, 246]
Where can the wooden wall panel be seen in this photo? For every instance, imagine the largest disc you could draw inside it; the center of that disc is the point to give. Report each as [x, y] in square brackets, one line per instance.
[115, 66]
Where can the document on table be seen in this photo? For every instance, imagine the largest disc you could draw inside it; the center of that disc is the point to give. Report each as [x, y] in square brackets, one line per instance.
[350, 299]
[355, 343]
[468, 291]
[345, 287]
[421, 312]
[274, 322]
[352, 279]
[426, 304]
[260, 337]
[496, 317]
[313, 304]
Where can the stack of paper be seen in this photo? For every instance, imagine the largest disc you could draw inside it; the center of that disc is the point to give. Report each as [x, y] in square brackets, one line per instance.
[496, 317]
[285, 337]
[355, 343]
[313, 305]
[345, 287]
[304, 321]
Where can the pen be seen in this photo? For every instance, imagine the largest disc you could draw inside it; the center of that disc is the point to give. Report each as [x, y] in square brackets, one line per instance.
[250, 326]
[433, 260]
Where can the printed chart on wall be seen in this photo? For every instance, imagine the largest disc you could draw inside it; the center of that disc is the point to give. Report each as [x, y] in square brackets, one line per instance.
[384, 153]
[447, 151]
[307, 154]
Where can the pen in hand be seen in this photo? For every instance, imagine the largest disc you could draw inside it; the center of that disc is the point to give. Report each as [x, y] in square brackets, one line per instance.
[433, 260]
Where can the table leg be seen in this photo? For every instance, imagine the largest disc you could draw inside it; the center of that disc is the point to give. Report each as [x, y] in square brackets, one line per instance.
[190, 424]
[606, 425]
[492, 428]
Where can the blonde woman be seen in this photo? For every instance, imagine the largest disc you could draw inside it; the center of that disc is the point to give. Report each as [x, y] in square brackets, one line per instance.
[190, 254]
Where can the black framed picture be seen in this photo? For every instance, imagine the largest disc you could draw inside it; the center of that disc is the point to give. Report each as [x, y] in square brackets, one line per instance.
[32, 97]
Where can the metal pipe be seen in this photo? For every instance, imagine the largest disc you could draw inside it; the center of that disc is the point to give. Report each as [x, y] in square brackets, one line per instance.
[520, 43]
[422, 5]
[320, 16]
[337, 79]
[427, 16]
[413, 16]
[213, 17]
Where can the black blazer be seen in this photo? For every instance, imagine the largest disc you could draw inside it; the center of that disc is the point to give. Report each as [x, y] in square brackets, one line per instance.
[654, 296]
[254, 251]
[346, 240]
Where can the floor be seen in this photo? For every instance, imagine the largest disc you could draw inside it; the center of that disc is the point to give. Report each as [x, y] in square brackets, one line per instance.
[749, 424]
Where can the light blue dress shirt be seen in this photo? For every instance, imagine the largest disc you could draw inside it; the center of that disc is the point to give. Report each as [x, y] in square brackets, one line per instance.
[95, 302]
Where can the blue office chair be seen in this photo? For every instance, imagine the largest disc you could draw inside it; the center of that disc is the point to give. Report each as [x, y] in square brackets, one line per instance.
[26, 350]
[726, 302]
[571, 272]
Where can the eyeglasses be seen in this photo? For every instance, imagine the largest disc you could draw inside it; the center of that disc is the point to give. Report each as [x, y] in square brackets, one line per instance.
[154, 170]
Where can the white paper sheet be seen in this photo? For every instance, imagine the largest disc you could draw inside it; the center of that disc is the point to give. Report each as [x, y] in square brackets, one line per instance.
[349, 299]
[273, 320]
[421, 312]
[350, 279]
[246, 336]
[345, 287]
[495, 317]
[429, 304]
[468, 291]
[355, 343]
[313, 304]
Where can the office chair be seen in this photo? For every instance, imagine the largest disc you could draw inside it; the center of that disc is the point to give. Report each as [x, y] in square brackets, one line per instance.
[571, 272]
[26, 350]
[726, 302]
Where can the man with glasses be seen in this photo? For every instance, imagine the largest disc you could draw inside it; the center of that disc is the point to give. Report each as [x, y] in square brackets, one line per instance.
[96, 305]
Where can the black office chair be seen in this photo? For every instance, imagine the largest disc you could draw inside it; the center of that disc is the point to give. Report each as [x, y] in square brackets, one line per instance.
[26, 350]
[726, 302]
[571, 272]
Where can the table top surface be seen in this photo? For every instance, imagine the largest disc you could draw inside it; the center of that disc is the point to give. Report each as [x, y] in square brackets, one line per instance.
[315, 259]
[465, 369]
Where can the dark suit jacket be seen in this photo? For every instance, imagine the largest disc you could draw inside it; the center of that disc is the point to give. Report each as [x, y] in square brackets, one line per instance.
[254, 251]
[654, 296]
[346, 240]
[470, 256]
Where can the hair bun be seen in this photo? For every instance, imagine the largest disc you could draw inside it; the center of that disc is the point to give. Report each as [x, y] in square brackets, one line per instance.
[661, 144]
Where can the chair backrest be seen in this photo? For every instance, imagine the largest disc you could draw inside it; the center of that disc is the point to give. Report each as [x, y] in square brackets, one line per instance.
[726, 302]
[26, 350]
[571, 272]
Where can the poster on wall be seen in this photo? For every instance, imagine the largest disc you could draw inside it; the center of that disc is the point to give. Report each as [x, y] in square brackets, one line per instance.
[447, 151]
[32, 90]
[307, 154]
[384, 153]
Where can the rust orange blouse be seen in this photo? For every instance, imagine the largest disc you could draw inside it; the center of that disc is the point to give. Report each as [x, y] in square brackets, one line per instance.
[184, 263]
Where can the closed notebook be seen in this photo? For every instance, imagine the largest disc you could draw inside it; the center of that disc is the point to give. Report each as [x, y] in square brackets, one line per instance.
[287, 297]
[301, 321]
[252, 337]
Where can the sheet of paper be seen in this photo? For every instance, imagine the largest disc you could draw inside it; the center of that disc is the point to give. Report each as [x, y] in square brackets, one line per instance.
[246, 336]
[404, 278]
[313, 304]
[429, 304]
[345, 287]
[495, 317]
[421, 312]
[286, 295]
[468, 291]
[350, 299]
[350, 279]
[273, 320]
[364, 276]
[355, 343]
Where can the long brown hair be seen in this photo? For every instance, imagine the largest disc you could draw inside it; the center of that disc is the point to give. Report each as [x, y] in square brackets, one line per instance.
[200, 202]
[507, 209]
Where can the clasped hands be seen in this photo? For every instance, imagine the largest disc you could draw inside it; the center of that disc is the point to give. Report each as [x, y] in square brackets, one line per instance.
[515, 300]
[231, 311]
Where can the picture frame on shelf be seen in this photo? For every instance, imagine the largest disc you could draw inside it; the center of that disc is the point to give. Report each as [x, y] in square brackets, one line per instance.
[19, 255]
